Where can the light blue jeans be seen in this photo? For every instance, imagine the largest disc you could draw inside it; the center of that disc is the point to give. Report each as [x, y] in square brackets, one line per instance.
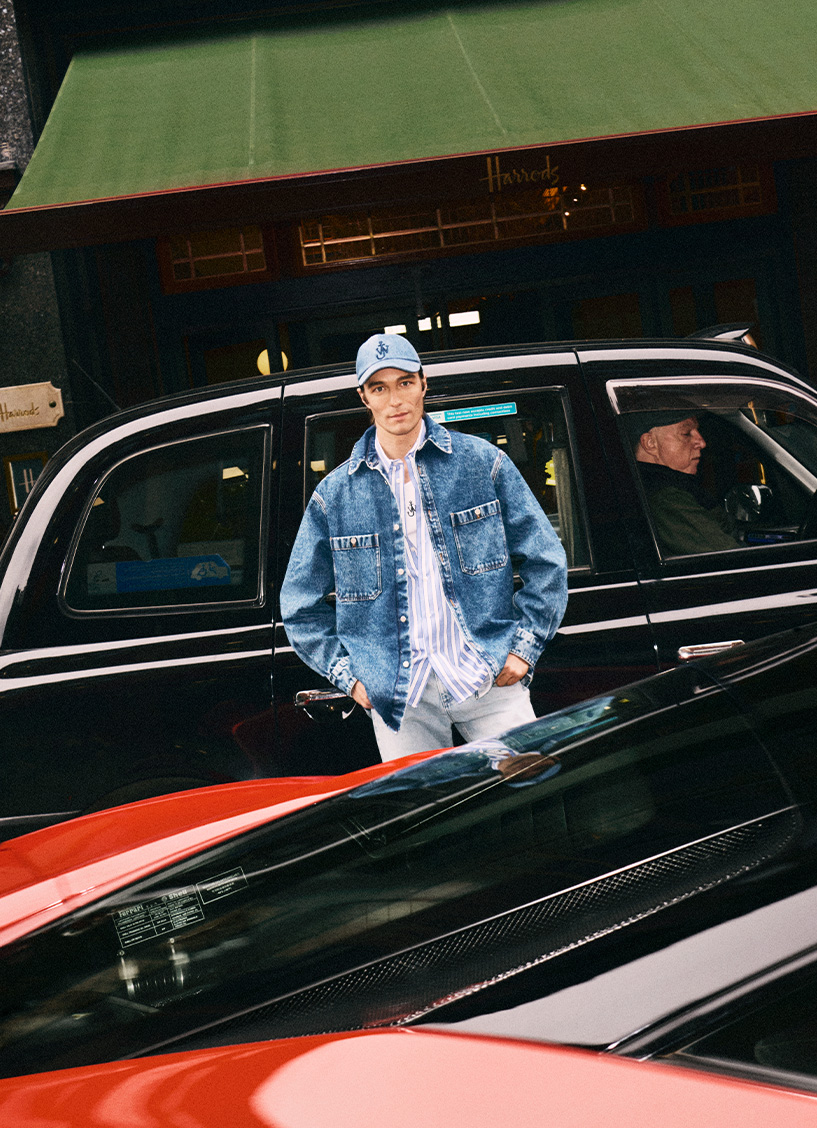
[429, 724]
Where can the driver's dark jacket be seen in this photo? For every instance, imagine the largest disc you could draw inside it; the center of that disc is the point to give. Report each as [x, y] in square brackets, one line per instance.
[484, 523]
[686, 517]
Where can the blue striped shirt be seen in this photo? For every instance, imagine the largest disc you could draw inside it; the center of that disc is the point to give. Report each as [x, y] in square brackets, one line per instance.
[437, 639]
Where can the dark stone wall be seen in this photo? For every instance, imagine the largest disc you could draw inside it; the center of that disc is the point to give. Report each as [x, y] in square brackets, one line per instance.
[31, 343]
[16, 142]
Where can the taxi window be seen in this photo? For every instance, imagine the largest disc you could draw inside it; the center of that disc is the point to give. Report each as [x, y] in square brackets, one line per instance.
[176, 525]
[530, 427]
[722, 467]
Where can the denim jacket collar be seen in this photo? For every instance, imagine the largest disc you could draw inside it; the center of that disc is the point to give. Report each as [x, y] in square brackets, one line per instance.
[364, 449]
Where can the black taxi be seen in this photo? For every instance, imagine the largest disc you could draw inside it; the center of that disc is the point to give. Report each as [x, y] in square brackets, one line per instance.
[141, 648]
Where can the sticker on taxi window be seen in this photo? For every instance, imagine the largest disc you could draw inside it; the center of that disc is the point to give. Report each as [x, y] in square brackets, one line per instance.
[483, 411]
[166, 574]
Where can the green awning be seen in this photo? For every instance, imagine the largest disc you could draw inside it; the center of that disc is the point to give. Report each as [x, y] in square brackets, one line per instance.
[284, 99]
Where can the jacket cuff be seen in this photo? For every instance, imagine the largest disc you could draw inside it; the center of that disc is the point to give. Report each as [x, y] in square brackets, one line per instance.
[526, 646]
[341, 676]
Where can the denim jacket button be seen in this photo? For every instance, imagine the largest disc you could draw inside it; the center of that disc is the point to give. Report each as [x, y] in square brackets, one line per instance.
[406, 664]
[399, 571]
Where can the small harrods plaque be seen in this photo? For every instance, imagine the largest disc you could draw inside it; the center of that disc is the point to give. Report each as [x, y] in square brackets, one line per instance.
[26, 406]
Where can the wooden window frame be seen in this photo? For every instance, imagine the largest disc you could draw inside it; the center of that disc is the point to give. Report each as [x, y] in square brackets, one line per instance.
[294, 250]
[172, 285]
[765, 206]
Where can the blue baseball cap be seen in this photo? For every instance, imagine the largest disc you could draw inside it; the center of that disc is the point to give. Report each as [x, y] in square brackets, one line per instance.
[386, 350]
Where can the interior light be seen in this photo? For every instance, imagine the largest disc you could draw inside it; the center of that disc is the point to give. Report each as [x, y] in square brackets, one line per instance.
[318, 465]
[232, 472]
[424, 325]
[469, 317]
[395, 329]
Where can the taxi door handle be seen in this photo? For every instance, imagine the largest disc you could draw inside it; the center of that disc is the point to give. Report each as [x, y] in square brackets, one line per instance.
[704, 649]
[325, 704]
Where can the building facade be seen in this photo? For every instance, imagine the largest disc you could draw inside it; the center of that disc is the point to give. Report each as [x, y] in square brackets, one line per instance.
[474, 174]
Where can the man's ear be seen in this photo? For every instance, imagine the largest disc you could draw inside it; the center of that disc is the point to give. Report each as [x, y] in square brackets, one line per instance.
[648, 442]
[362, 394]
[646, 448]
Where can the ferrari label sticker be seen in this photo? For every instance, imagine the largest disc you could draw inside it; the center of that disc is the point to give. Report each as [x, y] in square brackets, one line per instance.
[173, 912]
[165, 915]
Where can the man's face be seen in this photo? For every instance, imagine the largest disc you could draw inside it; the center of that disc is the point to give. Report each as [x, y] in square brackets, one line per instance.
[678, 445]
[395, 400]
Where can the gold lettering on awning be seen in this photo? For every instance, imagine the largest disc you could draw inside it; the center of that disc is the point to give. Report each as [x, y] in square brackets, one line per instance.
[498, 178]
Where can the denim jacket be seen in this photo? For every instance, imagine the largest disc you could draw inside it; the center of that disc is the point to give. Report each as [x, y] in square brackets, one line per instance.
[483, 521]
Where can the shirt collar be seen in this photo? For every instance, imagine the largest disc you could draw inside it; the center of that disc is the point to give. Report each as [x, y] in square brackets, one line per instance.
[364, 449]
[385, 461]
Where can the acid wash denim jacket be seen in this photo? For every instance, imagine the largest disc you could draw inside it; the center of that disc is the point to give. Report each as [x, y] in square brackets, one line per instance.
[483, 521]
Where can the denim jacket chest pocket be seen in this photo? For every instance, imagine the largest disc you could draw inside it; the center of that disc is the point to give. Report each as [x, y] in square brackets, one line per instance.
[480, 536]
[356, 560]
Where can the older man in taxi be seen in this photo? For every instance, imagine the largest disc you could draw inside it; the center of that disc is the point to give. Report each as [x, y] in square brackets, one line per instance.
[687, 518]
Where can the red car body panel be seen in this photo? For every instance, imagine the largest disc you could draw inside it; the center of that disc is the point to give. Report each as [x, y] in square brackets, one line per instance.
[395, 1079]
[53, 871]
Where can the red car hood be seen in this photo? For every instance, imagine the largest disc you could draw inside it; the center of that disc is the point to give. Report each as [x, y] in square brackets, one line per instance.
[53, 871]
[395, 1079]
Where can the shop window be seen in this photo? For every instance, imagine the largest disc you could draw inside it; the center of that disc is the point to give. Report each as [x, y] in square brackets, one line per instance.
[549, 214]
[465, 322]
[735, 301]
[176, 526]
[614, 315]
[233, 362]
[682, 307]
[727, 192]
[206, 259]
[530, 427]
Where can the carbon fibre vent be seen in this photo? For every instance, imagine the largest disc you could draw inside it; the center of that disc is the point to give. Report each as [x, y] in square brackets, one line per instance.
[414, 982]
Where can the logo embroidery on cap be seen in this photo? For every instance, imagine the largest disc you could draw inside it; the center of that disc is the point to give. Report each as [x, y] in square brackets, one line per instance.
[381, 350]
